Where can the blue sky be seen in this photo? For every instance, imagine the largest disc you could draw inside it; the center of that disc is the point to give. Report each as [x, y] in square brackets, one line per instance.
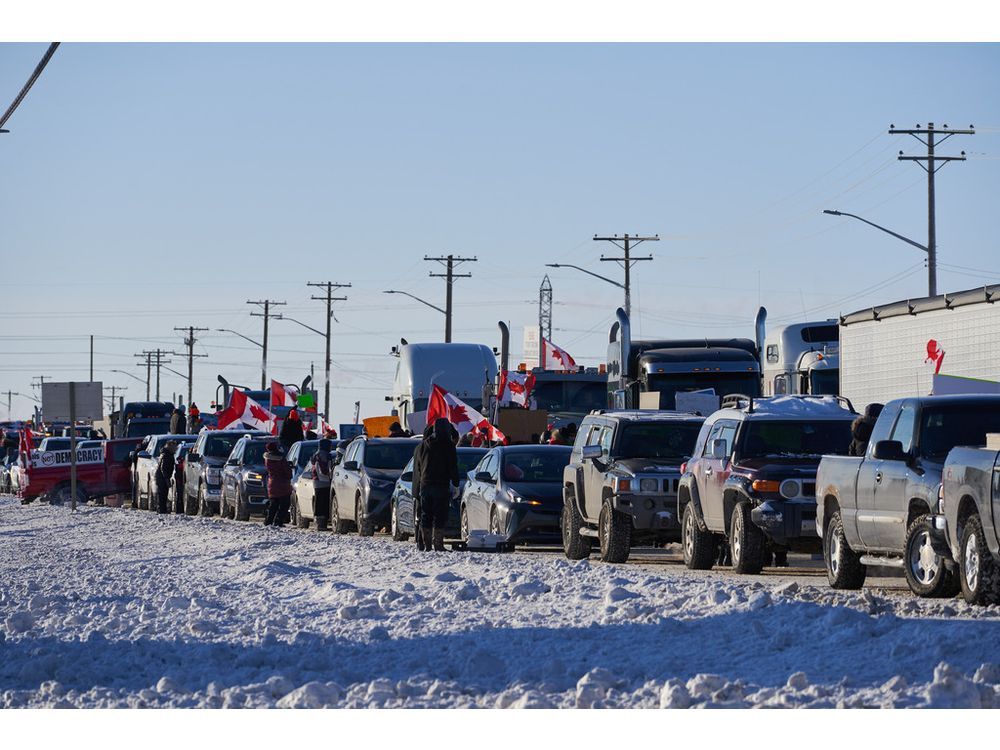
[152, 186]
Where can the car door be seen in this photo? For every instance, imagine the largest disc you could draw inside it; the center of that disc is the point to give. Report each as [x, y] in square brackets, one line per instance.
[593, 474]
[338, 478]
[352, 480]
[404, 497]
[864, 513]
[890, 502]
[474, 492]
[230, 473]
[715, 471]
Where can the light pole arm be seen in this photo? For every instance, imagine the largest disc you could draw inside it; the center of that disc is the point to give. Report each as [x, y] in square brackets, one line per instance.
[314, 330]
[907, 240]
[130, 375]
[168, 369]
[421, 301]
[596, 275]
[245, 338]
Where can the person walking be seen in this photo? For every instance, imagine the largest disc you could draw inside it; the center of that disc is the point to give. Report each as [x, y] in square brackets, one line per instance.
[322, 474]
[177, 422]
[279, 484]
[194, 419]
[418, 532]
[438, 472]
[291, 430]
[164, 471]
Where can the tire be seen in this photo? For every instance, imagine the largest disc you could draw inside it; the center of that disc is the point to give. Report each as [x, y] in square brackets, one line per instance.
[926, 573]
[614, 532]
[240, 510]
[397, 534]
[701, 548]
[575, 545]
[190, 504]
[843, 565]
[463, 525]
[365, 527]
[203, 507]
[746, 541]
[297, 520]
[62, 495]
[978, 572]
[337, 526]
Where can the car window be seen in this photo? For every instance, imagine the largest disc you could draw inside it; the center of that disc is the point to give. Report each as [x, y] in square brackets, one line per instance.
[606, 436]
[727, 433]
[903, 431]
[883, 425]
[293, 454]
[581, 436]
[594, 437]
[491, 465]
[712, 435]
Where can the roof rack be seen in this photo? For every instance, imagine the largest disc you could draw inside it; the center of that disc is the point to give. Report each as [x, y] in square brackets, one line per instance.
[738, 400]
[733, 401]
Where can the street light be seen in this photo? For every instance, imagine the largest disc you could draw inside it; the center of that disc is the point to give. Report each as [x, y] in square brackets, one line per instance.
[285, 317]
[931, 261]
[596, 275]
[122, 372]
[246, 338]
[411, 296]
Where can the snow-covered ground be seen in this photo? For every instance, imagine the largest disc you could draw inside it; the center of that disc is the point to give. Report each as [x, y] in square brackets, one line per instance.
[113, 607]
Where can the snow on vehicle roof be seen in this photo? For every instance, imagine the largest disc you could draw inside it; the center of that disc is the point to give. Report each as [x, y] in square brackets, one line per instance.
[796, 407]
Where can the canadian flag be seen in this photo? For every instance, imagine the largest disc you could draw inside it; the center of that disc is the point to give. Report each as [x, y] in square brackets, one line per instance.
[461, 415]
[935, 354]
[515, 388]
[284, 395]
[249, 412]
[556, 358]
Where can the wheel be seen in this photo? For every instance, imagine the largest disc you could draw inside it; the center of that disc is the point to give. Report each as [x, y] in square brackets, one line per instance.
[398, 535]
[240, 510]
[843, 565]
[365, 527]
[701, 548]
[296, 518]
[190, 504]
[926, 573]
[746, 541]
[464, 525]
[150, 497]
[203, 507]
[63, 494]
[978, 572]
[337, 526]
[614, 532]
[575, 545]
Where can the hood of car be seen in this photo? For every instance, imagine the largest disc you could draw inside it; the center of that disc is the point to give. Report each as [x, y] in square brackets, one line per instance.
[783, 466]
[384, 475]
[637, 466]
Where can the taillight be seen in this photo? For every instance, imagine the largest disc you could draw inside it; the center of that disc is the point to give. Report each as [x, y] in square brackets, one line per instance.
[684, 467]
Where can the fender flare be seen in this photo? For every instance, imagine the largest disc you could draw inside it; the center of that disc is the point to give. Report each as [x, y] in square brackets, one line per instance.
[576, 495]
[732, 495]
[691, 488]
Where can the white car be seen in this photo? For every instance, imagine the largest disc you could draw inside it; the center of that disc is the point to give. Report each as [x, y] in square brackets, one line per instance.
[145, 467]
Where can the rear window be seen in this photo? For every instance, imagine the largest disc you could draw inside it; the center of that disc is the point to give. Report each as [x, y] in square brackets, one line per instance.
[945, 427]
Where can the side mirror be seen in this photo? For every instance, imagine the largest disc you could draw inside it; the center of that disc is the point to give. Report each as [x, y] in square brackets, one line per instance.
[232, 462]
[406, 476]
[351, 466]
[193, 457]
[591, 451]
[889, 450]
[143, 454]
[131, 455]
[484, 476]
[719, 448]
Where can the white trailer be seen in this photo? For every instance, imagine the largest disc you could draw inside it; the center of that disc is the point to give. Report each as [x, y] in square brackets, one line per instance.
[895, 350]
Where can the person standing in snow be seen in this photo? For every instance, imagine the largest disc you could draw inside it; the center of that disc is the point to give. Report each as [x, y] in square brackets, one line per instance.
[291, 431]
[322, 474]
[438, 470]
[164, 471]
[418, 532]
[279, 485]
[177, 422]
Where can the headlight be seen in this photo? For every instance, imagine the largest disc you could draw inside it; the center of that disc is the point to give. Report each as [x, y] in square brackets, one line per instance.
[515, 498]
[649, 485]
[790, 488]
[253, 476]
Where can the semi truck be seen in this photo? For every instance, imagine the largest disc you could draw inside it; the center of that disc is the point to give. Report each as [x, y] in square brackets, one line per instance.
[709, 367]
[800, 358]
[941, 345]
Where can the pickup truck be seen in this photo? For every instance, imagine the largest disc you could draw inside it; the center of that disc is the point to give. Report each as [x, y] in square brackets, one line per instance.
[882, 508]
[100, 471]
[970, 504]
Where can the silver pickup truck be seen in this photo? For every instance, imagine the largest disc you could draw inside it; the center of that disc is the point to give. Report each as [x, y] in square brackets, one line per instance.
[882, 509]
[970, 504]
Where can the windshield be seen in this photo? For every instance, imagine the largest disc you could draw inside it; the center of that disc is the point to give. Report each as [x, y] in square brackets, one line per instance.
[467, 460]
[570, 396]
[723, 383]
[141, 429]
[944, 427]
[387, 455]
[220, 446]
[543, 466]
[253, 454]
[796, 439]
[672, 441]
[824, 382]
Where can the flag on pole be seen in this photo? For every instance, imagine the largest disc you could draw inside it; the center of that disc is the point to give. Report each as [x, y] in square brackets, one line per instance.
[465, 419]
[515, 388]
[283, 395]
[556, 358]
[244, 409]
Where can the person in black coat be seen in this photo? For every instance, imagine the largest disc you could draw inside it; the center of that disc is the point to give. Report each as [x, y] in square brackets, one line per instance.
[418, 532]
[438, 471]
[861, 430]
[164, 472]
[291, 431]
[177, 422]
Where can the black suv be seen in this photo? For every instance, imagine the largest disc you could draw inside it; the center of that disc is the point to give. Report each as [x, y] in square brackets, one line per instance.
[363, 482]
[620, 486]
[203, 469]
[244, 480]
[752, 480]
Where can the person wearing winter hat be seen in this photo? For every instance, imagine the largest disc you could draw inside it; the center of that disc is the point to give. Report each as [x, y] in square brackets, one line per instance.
[437, 470]
[279, 484]
[322, 475]
[194, 419]
[291, 430]
[164, 471]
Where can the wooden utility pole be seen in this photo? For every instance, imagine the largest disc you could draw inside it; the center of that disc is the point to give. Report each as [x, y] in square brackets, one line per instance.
[449, 262]
[328, 286]
[189, 343]
[627, 261]
[266, 315]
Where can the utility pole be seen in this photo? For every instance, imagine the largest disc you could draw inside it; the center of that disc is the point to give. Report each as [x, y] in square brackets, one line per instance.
[91, 358]
[449, 262]
[329, 286]
[545, 308]
[266, 315]
[189, 343]
[627, 261]
[115, 389]
[930, 132]
[160, 361]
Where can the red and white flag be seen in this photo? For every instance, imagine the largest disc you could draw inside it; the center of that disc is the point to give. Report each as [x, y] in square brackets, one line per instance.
[249, 412]
[284, 395]
[556, 358]
[935, 354]
[461, 415]
[515, 388]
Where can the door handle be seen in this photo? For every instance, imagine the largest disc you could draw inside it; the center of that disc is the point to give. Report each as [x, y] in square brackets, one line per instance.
[878, 477]
[708, 470]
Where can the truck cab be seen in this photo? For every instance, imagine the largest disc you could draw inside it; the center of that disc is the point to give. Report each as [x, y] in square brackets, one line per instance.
[801, 358]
